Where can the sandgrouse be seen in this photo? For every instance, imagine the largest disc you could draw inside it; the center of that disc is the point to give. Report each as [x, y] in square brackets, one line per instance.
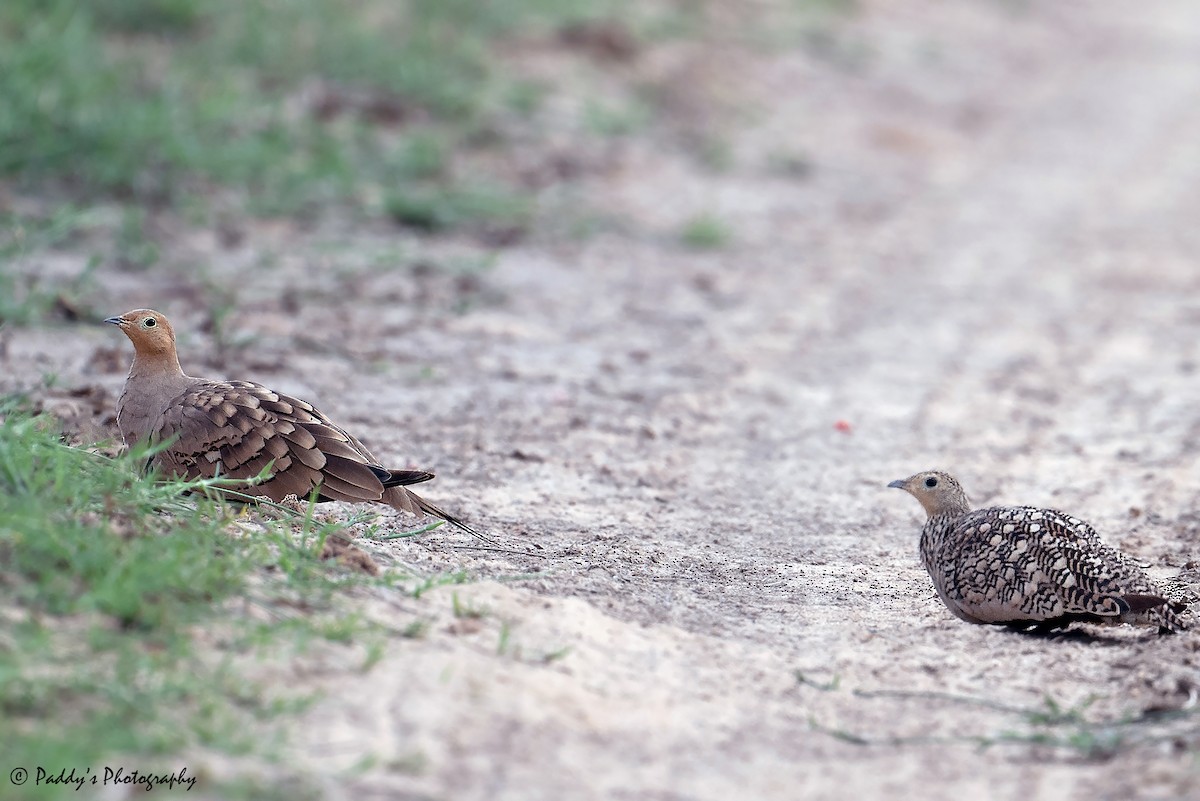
[1030, 568]
[237, 428]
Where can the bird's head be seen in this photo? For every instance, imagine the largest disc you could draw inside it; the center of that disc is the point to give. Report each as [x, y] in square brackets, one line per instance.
[939, 493]
[149, 331]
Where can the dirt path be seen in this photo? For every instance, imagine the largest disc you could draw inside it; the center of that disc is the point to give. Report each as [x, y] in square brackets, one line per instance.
[990, 269]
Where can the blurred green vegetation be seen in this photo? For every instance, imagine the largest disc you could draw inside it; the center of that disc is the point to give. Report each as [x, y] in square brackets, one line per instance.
[705, 232]
[296, 102]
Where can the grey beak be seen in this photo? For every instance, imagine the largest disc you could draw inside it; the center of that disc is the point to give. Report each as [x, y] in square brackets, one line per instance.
[114, 320]
[898, 483]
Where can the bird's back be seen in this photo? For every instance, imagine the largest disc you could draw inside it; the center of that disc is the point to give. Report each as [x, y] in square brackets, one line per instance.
[239, 429]
[1026, 564]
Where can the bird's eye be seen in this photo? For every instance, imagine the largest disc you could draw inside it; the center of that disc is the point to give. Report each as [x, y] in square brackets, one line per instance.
[148, 322]
[931, 482]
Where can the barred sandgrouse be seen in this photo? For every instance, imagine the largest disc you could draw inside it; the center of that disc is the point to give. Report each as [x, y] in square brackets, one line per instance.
[239, 428]
[1027, 567]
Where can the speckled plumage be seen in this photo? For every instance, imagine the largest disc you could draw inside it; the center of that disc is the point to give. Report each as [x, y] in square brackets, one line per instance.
[1028, 567]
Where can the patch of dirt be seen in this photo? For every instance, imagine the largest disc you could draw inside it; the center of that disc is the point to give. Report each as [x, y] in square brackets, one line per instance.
[342, 548]
[986, 265]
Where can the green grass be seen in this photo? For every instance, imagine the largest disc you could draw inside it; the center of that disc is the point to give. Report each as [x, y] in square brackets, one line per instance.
[295, 104]
[616, 120]
[438, 209]
[113, 112]
[705, 232]
[465, 609]
[126, 606]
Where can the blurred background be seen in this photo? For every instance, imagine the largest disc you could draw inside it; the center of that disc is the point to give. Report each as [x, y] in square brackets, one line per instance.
[147, 136]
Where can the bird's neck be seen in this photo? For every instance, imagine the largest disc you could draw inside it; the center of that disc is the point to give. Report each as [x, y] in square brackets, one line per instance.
[944, 519]
[159, 375]
[933, 535]
[164, 365]
[951, 507]
[154, 380]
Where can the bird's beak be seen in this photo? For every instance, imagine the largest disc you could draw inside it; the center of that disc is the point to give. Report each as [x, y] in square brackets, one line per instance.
[899, 483]
[115, 321]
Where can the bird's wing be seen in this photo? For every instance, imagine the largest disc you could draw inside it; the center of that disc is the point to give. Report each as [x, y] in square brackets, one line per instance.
[238, 428]
[1094, 576]
[1049, 564]
[1025, 563]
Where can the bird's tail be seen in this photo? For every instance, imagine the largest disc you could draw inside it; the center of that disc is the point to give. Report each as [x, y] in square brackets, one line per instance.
[1171, 618]
[406, 500]
[1182, 595]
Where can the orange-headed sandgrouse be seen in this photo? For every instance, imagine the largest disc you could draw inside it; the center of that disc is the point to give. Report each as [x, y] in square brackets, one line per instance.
[238, 428]
[1027, 567]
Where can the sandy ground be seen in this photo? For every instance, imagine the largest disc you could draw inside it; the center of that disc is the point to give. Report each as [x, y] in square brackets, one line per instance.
[989, 268]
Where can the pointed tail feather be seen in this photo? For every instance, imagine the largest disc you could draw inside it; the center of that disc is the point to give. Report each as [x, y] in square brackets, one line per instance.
[430, 509]
[1172, 617]
[1138, 602]
[408, 501]
[402, 478]
[398, 478]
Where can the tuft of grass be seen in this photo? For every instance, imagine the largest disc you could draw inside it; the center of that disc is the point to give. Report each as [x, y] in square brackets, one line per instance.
[466, 609]
[504, 639]
[617, 119]
[824, 686]
[525, 97]
[415, 630]
[557, 654]
[161, 17]
[705, 232]
[134, 248]
[439, 580]
[439, 208]
[125, 607]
